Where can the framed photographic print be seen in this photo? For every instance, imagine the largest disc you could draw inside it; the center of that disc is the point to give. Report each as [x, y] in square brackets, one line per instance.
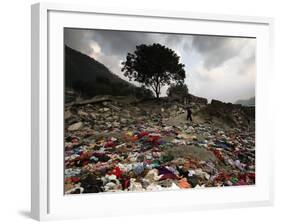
[164, 111]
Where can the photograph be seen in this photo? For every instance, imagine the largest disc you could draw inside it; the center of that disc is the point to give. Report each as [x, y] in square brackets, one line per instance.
[150, 111]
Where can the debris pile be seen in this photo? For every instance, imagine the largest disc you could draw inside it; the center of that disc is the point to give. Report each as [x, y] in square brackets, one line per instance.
[115, 146]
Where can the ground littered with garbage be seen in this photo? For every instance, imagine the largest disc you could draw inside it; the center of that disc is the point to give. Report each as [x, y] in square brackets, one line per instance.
[116, 145]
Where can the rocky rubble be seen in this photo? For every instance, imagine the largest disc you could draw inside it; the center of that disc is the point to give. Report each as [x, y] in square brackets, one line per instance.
[115, 146]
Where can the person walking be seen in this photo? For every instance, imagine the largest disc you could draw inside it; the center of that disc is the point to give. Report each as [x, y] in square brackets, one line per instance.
[189, 114]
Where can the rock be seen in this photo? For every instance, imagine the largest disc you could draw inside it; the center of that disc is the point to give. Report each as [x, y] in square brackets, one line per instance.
[115, 108]
[82, 113]
[115, 118]
[93, 115]
[75, 127]
[123, 120]
[67, 114]
[105, 109]
[115, 124]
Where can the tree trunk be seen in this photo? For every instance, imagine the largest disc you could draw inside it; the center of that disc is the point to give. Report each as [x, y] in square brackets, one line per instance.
[157, 95]
[157, 89]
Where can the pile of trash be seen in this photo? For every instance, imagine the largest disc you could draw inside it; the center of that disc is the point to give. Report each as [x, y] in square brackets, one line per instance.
[112, 146]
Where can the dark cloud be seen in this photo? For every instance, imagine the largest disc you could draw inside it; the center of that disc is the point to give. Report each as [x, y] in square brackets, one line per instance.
[116, 42]
[112, 42]
[119, 43]
[217, 50]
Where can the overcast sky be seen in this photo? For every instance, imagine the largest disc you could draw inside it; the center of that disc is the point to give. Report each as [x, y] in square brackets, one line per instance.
[220, 68]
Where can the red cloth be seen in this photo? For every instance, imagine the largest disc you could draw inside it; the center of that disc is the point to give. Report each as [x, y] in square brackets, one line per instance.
[154, 138]
[72, 179]
[109, 144]
[218, 155]
[117, 172]
[142, 134]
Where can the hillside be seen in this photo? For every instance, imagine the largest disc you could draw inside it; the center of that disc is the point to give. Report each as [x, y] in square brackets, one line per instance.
[90, 77]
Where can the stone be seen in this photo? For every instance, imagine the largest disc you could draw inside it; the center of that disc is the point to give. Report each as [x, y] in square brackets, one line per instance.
[67, 114]
[82, 113]
[93, 115]
[76, 126]
[123, 120]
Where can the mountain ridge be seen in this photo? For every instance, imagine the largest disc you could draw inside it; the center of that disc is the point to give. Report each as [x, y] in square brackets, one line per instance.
[90, 77]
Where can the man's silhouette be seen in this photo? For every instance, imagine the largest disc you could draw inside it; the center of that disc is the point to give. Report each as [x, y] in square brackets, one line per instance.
[189, 114]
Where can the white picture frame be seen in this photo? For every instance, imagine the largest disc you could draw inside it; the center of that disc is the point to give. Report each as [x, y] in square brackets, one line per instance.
[48, 201]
